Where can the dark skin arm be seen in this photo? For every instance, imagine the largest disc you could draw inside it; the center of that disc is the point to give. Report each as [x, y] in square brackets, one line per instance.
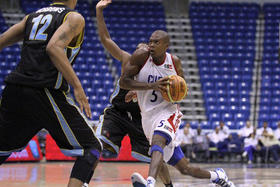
[13, 34]
[104, 35]
[66, 33]
[132, 68]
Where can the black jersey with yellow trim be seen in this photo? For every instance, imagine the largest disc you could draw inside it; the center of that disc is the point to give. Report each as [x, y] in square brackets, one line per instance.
[117, 99]
[35, 68]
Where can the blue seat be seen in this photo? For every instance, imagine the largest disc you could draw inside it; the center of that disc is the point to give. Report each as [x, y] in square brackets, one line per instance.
[227, 117]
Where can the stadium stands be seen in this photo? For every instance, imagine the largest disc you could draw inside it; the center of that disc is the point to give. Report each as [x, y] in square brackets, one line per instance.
[270, 83]
[8, 56]
[224, 35]
[130, 23]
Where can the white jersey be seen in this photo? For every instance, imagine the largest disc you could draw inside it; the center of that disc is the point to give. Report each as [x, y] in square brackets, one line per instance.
[149, 100]
[158, 115]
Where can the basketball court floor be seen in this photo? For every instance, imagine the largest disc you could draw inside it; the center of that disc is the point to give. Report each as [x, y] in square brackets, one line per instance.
[112, 174]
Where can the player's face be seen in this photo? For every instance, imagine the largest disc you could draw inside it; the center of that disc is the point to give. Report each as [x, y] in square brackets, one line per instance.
[157, 45]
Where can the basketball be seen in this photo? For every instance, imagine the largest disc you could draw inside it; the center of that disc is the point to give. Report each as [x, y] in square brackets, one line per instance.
[176, 90]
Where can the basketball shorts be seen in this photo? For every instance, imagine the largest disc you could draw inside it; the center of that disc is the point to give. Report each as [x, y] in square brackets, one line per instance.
[114, 124]
[165, 123]
[24, 111]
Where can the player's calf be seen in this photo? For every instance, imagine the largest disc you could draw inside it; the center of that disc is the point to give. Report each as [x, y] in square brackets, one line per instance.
[84, 165]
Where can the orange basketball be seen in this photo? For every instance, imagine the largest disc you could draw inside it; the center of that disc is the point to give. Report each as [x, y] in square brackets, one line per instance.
[177, 89]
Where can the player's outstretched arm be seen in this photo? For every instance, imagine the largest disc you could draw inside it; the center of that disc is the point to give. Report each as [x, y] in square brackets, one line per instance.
[104, 35]
[132, 68]
[13, 34]
[72, 27]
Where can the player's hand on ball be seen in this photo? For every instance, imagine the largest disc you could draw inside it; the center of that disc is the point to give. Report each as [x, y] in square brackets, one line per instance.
[161, 84]
[131, 95]
[82, 100]
[103, 4]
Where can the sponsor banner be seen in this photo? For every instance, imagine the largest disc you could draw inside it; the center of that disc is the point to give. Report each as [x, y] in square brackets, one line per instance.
[32, 152]
[53, 152]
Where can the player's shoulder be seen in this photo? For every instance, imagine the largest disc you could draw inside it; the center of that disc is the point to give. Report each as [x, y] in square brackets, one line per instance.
[142, 52]
[74, 16]
[140, 56]
[175, 58]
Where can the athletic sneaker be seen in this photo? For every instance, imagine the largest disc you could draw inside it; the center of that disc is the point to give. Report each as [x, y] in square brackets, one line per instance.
[137, 180]
[85, 185]
[222, 179]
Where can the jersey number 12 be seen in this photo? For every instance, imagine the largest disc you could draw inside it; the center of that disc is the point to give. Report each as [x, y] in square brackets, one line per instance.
[36, 34]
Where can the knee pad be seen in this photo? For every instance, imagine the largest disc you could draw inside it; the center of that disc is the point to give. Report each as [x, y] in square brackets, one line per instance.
[84, 164]
[156, 148]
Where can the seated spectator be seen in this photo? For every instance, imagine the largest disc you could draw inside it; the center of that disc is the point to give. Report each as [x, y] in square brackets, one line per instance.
[277, 132]
[185, 140]
[250, 146]
[215, 137]
[266, 129]
[270, 146]
[200, 143]
[245, 131]
[224, 130]
[234, 144]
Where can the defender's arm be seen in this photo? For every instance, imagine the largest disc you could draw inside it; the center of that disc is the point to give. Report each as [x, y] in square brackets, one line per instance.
[13, 34]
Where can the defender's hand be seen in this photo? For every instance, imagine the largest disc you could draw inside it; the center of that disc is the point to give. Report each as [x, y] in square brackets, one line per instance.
[131, 95]
[81, 98]
[103, 4]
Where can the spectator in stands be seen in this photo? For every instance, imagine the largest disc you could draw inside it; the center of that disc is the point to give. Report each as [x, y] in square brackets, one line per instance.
[250, 146]
[215, 137]
[265, 130]
[246, 131]
[186, 140]
[277, 132]
[188, 126]
[232, 144]
[200, 143]
[270, 146]
[224, 131]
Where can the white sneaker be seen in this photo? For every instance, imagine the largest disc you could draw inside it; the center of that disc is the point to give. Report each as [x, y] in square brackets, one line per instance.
[137, 180]
[250, 162]
[222, 179]
[244, 154]
[85, 185]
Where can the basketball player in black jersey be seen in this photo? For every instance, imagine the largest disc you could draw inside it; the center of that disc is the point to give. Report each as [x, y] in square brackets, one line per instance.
[122, 117]
[36, 92]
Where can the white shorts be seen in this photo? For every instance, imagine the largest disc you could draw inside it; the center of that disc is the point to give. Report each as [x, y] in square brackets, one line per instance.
[165, 122]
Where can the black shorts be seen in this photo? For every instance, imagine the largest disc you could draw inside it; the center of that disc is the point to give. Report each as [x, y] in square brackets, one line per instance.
[115, 124]
[24, 111]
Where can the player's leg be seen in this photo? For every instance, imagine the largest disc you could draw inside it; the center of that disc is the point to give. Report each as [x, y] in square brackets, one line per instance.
[158, 144]
[73, 134]
[111, 130]
[218, 176]
[140, 149]
[165, 175]
[16, 123]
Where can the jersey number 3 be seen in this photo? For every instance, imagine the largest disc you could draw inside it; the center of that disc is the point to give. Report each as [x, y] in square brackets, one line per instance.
[41, 19]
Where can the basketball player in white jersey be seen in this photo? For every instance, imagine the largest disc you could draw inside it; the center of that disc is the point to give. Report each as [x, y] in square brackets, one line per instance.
[115, 124]
[161, 119]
